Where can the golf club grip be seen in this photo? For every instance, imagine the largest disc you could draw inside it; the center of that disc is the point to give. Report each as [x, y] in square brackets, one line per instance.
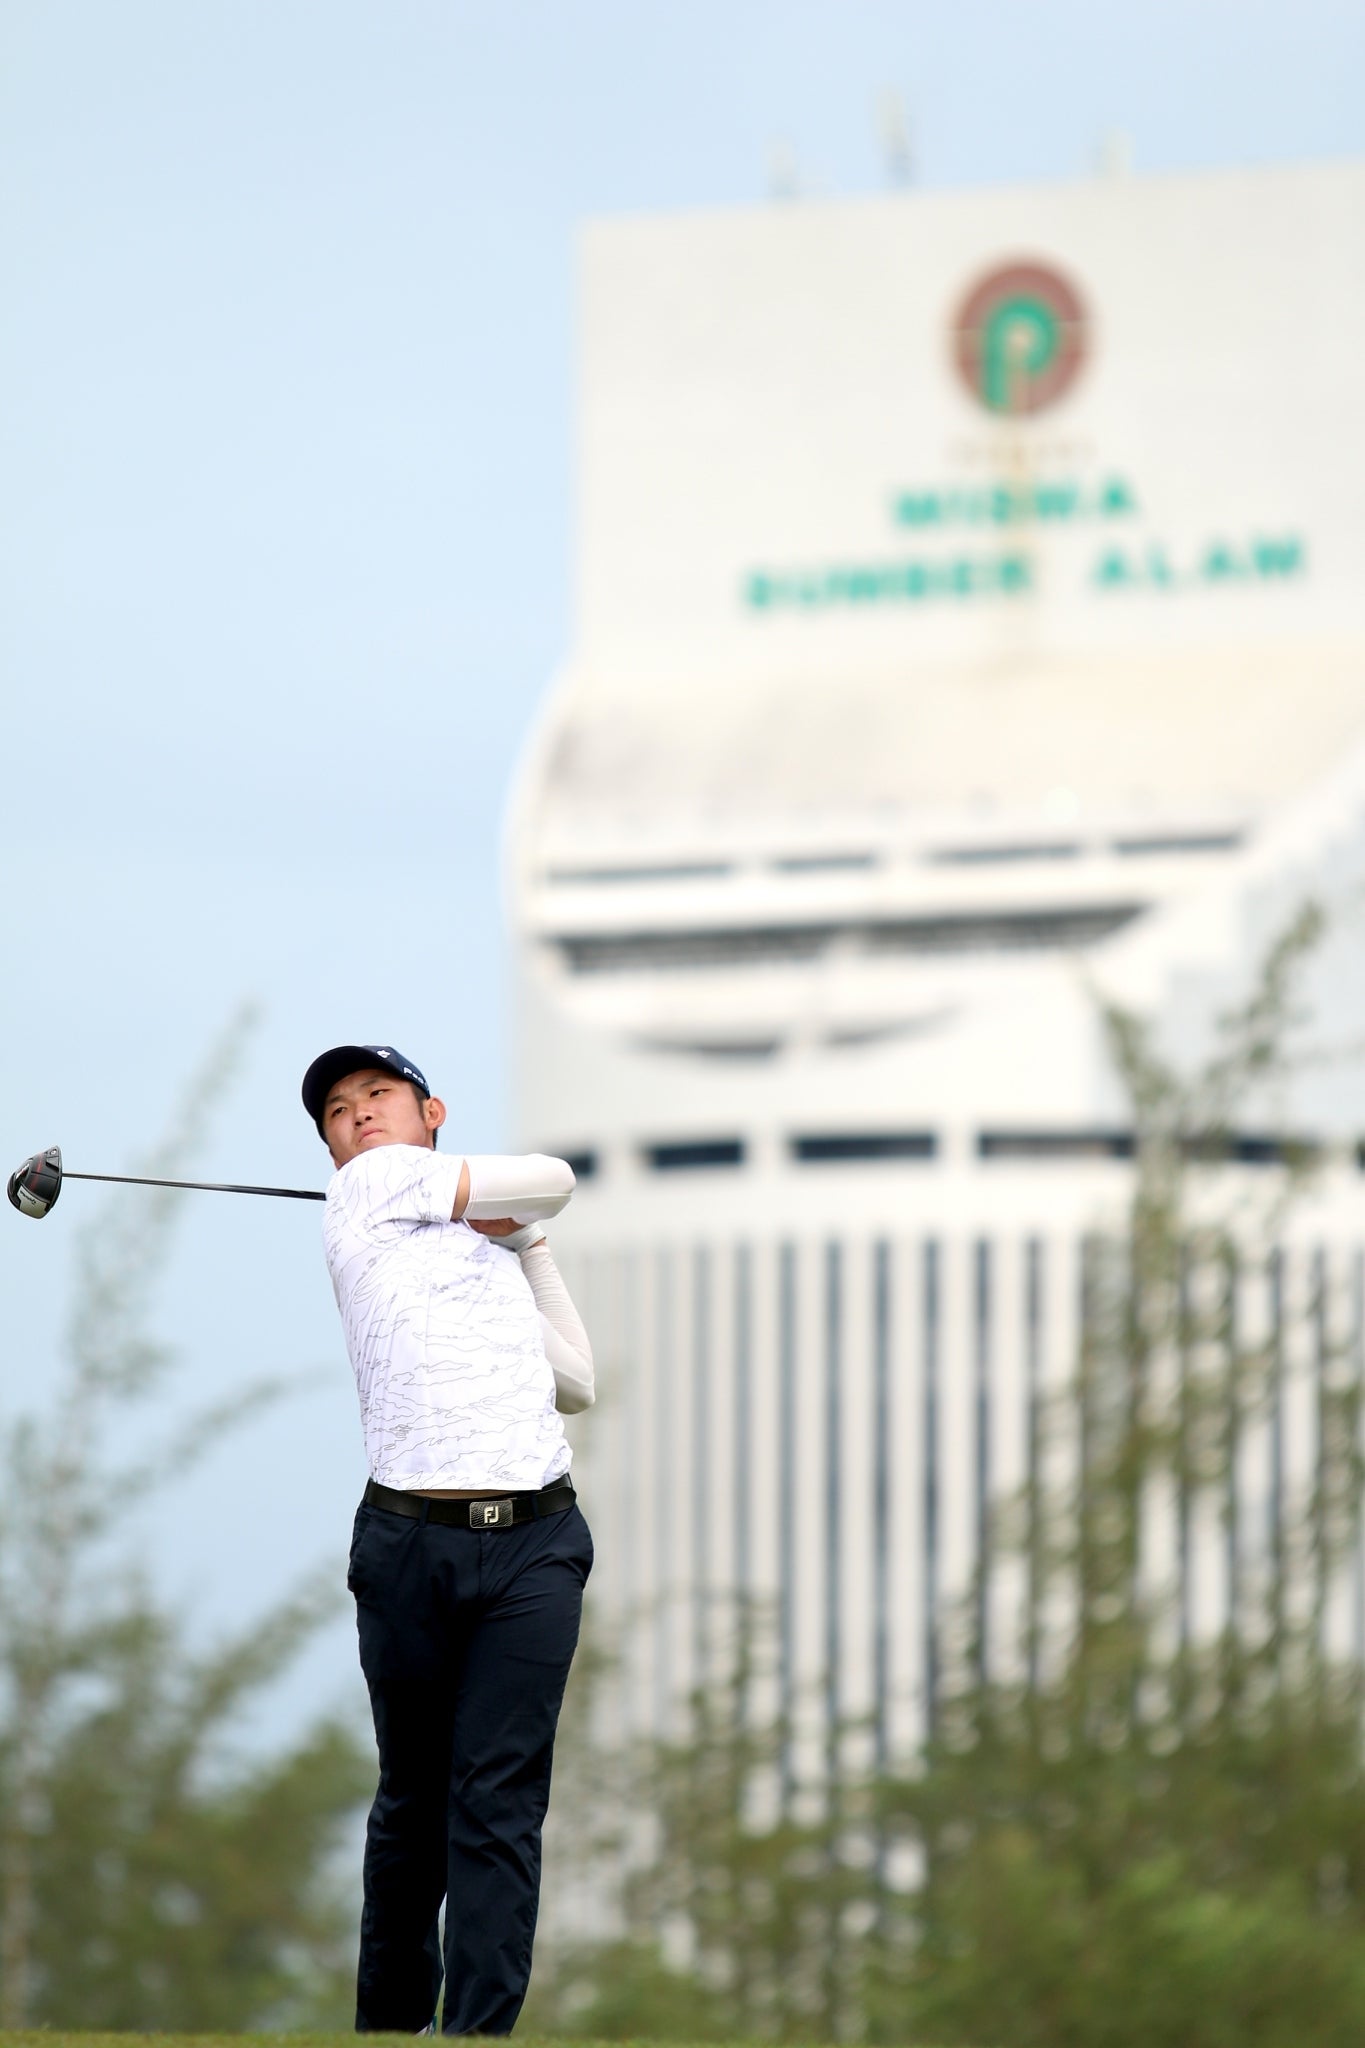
[206, 1187]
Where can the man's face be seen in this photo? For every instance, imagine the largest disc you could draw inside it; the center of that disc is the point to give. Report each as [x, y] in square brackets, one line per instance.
[373, 1107]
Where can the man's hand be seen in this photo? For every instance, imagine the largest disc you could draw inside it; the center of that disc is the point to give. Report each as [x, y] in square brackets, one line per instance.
[518, 1237]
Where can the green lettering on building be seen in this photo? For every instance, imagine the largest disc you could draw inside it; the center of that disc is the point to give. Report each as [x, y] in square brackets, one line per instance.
[887, 583]
[1143, 566]
[1113, 570]
[1055, 501]
[1283, 557]
[1010, 504]
[1219, 562]
[919, 508]
[1116, 499]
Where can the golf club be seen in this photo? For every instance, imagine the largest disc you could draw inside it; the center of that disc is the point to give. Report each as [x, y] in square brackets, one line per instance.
[34, 1187]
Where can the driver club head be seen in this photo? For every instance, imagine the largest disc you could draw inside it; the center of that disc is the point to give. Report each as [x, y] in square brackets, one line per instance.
[35, 1186]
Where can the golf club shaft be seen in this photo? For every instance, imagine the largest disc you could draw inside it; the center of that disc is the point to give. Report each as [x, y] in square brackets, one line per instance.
[207, 1187]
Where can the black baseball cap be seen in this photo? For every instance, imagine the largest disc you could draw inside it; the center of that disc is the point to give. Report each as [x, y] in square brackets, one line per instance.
[330, 1067]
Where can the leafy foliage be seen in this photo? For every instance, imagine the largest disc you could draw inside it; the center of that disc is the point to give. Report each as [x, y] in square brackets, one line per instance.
[1126, 1833]
[732, 1924]
[144, 1881]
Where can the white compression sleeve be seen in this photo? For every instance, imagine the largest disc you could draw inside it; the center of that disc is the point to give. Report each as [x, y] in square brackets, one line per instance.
[566, 1341]
[528, 1188]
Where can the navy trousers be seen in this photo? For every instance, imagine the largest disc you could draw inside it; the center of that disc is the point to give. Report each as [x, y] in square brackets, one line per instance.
[466, 1637]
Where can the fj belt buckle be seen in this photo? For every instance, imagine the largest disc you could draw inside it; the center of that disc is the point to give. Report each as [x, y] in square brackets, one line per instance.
[490, 1514]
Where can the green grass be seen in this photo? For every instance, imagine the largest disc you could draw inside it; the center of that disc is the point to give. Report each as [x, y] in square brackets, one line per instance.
[50, 2038]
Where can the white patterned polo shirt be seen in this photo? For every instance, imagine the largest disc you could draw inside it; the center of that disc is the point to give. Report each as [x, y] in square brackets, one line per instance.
[443, 1331]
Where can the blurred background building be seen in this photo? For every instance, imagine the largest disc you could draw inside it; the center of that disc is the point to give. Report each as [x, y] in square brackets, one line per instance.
[970, 625]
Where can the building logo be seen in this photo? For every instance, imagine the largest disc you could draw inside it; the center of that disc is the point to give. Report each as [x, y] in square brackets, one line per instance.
[1020, 337]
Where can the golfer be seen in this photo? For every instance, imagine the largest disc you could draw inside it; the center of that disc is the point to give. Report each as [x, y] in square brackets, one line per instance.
[469, 1555]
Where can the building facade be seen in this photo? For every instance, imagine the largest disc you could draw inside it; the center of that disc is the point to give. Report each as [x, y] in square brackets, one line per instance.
[970, 630]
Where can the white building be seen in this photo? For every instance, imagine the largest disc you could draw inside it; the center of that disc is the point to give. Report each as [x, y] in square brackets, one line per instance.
[971, 617]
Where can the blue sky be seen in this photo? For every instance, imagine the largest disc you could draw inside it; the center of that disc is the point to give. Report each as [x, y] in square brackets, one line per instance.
[286, 371]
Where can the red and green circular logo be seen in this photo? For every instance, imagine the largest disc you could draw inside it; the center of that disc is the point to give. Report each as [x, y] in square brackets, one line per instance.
[1019, 338]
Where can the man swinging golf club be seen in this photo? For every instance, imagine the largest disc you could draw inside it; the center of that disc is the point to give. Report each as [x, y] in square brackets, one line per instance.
[469, 1555]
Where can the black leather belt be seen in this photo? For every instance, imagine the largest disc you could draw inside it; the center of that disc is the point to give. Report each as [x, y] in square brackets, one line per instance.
[474, 1514]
